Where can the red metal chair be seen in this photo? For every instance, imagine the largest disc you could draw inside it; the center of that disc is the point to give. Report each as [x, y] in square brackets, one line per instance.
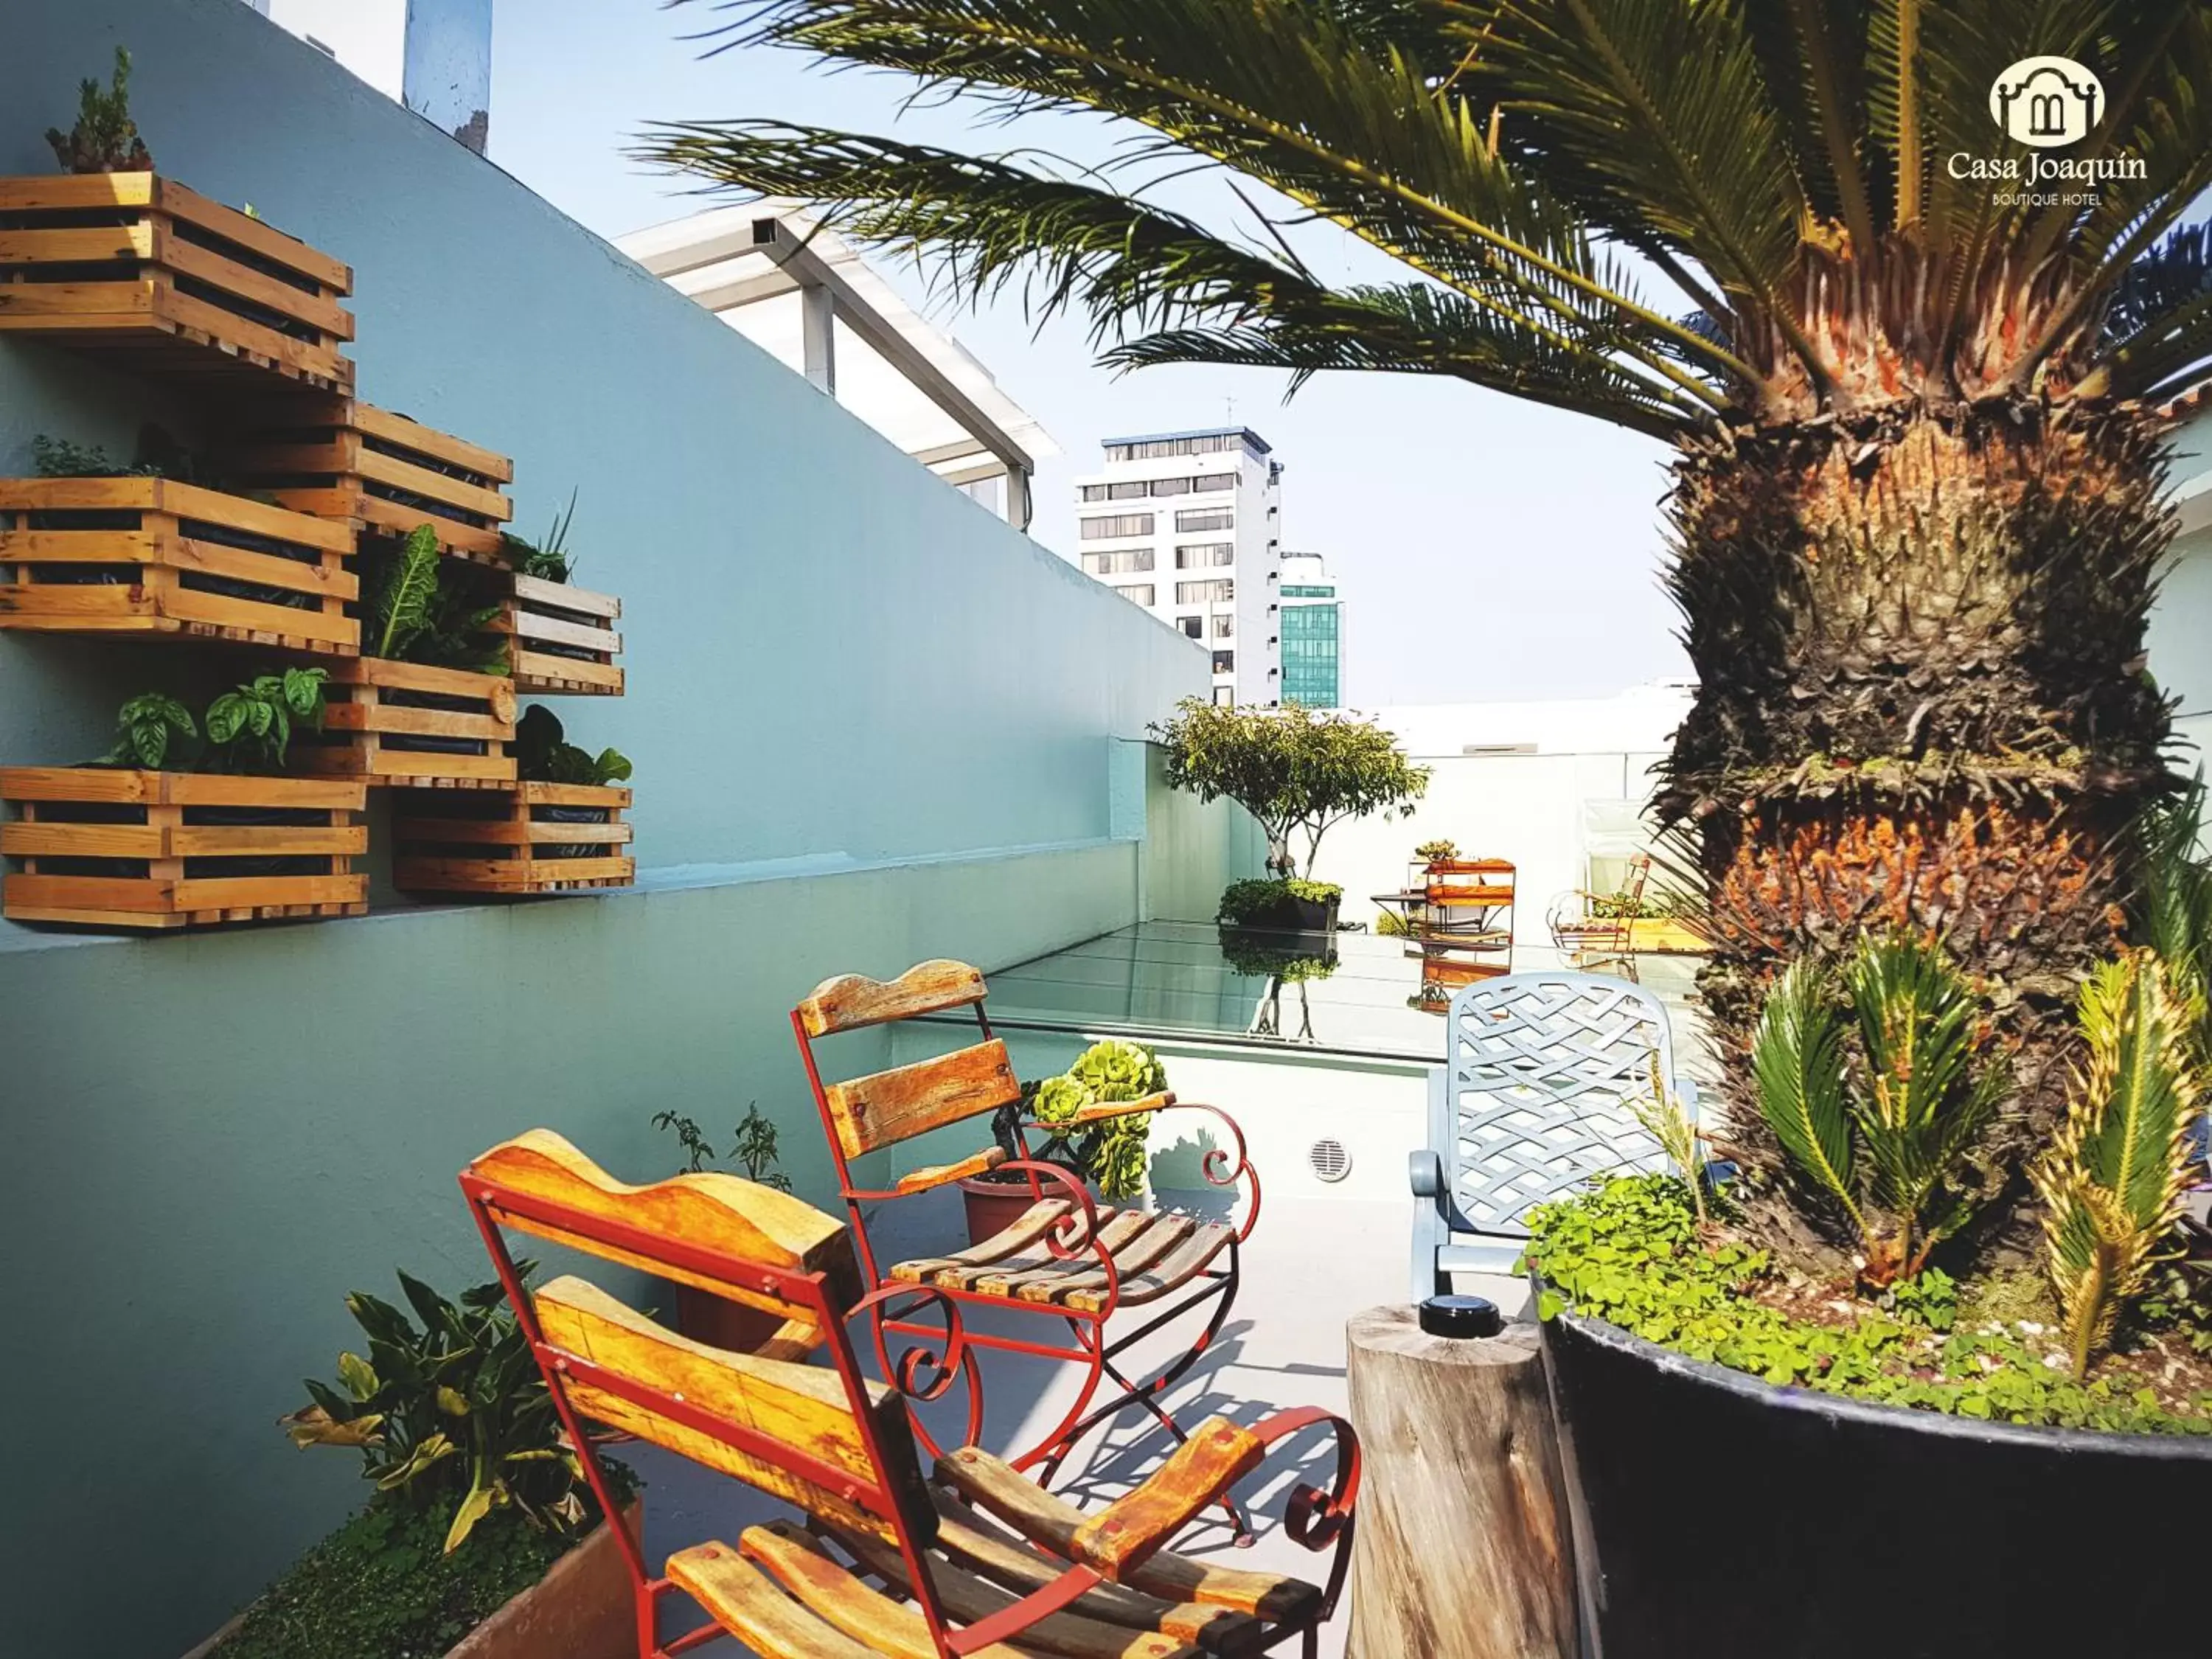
[973, 1560]
[1068, 1257]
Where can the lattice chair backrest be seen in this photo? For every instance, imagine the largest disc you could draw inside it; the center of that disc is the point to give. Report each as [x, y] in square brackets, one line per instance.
[822, 1437]
[1540, 1074]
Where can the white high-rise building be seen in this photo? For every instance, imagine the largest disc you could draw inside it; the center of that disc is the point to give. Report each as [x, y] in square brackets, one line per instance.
[1188, 526]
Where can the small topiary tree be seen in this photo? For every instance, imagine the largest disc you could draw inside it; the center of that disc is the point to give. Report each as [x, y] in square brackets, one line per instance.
[1292, 769]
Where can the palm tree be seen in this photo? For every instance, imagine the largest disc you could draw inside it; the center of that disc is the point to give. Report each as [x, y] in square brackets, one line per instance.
[1918, 502]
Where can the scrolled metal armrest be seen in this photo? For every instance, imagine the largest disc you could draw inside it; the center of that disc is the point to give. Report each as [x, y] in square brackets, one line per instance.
[1317, 1518]
[919, 1372]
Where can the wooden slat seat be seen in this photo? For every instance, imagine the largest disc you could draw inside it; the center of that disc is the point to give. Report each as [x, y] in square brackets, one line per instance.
[1154, 1254]
[785, 1594]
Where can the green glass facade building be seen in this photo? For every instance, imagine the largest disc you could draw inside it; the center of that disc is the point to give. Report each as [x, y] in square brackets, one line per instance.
[1312, 634]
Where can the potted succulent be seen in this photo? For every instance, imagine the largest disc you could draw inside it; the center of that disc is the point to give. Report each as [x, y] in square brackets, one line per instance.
[1108, 1156]
[1839, 1339]
[481, 1539]
[753, 1153]
[1436, 854]
[1294, 770]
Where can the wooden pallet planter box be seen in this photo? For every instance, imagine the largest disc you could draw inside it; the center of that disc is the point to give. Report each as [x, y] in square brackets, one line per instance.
[340, 458]
[399, 722]
[113, 848]
[138, 265]
[151, 556]
[561, 639]
[534, 838]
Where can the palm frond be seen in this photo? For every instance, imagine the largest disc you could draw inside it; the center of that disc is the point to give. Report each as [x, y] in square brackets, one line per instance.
[1924, 1101]
[2158, 330]
[1797, 1057]
[2112, 1183]
[1417, 330]
[2173, 902]
[1348, 124]
[1132, 267]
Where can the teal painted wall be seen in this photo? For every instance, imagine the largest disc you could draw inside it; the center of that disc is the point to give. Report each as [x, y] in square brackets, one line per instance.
[851, 753]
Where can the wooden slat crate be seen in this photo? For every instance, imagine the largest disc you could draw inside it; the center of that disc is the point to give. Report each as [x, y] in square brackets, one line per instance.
[399, 722]
[561, 639]
[138, 265]
[113, 848]
[151, 556]
[532, 838]
[337, 457]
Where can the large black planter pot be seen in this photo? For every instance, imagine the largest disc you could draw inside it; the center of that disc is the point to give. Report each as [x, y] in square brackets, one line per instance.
[1718, 1517]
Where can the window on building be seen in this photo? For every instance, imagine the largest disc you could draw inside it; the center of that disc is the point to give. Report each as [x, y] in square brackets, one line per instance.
[1294, 590]
[1206, 518]
[1225, 696]
[1210, 484]
[1222, 587]
[1134, 491]
[1118, 564]
[1225, 662]
[1197, 556]
[1224, 625]
[1193, 626]
[1094, 492]
[1171, 486]
[1139, 593]
[1154, 449]
[1121, 523]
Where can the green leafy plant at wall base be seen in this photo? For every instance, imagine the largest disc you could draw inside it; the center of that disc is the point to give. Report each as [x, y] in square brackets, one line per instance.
[451, 1417]
[752, 1145]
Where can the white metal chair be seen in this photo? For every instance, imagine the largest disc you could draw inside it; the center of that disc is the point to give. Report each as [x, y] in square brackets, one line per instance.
[1534, 1098]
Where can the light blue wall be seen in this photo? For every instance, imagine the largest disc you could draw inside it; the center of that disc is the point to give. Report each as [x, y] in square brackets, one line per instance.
[871, 723]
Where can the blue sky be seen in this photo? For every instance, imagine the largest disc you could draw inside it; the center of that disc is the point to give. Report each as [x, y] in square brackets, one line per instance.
[1491, 549]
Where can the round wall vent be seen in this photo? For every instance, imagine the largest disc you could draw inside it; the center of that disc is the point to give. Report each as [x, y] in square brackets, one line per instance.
[1329, 1159]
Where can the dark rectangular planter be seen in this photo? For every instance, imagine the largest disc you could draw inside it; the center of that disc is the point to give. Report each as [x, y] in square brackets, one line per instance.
[1718, 1515]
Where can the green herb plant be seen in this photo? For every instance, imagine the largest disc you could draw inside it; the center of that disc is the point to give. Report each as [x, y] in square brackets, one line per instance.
[1875, 1090]
[752, 1145]
[543, 755]
[250, 727]
[2112, 1183]
[418, 609]
[1436, 852]
[104, 138]
[548, 560]
[450, 1416]
[151, 729]
[1666, 1121]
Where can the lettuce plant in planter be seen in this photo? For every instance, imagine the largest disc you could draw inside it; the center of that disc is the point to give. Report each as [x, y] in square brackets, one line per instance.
[475, 1492]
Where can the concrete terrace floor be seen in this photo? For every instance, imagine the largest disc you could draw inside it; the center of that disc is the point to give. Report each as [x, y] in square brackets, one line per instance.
[1310, 1265]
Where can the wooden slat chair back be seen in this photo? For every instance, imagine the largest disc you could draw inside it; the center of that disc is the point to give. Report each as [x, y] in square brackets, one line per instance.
[840, 1447]
[1541, 1075]
[869, 1113]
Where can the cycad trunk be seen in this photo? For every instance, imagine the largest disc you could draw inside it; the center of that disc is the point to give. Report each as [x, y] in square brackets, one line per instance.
[1922, 700]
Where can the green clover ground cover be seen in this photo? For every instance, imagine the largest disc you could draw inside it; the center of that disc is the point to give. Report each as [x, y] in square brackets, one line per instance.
[1629, 1252]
